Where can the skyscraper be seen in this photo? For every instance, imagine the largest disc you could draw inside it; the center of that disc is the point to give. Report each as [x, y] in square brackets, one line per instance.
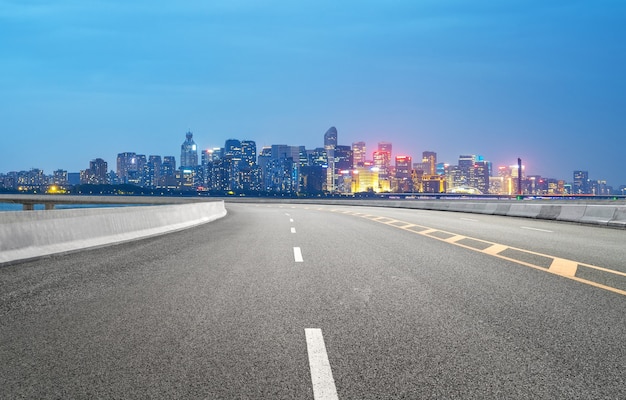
[581, 182]
[330, 138]
[188, 153]
[168, 168]
[404, 174]
[96, 174]
[385, 146]
[358, 154]
[126, 165]
[330, 144]
[429, 159]
[382, 161]
[153, 171]
[248, 152]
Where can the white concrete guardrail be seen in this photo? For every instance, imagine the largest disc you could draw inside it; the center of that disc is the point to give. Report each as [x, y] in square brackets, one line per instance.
[611, 214]
[32, 234]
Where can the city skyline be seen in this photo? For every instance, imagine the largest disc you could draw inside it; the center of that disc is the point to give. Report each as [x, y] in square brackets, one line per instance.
[369, 156]
[542, 81]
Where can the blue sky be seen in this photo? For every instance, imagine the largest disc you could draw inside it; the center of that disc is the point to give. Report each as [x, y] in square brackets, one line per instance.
[540, 80]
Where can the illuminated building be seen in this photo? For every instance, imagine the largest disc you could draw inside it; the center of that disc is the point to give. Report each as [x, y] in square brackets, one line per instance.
[317, 157]
[481, 174]
[365, 179]
[153, 171]
[385, 146]
[358, 154]
[168, 168]
[434, 184]
[472, 172]
[97, 174]
[343, 158]
[60, 178]
[382, 162]
[126, 166]
[403, 176]
[248, 153]
[330, 143]
[429, 162]
[188, 153]
[581, 182]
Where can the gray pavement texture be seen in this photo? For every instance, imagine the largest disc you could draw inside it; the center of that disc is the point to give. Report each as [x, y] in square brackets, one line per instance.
[219, 312]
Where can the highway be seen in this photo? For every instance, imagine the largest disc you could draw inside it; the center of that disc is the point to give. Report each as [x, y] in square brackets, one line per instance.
[324, 302]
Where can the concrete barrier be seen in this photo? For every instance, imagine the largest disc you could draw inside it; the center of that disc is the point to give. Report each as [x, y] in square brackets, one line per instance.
[619, 219]
[527, 210]
[608, 214]
[548, 211]
[599, 215]
[571, 212]
[32, 234]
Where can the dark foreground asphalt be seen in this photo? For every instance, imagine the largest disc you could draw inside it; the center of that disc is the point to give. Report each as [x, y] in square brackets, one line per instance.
[220, 312]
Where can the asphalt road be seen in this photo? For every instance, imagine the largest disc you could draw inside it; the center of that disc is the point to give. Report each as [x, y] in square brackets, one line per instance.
[311, 302]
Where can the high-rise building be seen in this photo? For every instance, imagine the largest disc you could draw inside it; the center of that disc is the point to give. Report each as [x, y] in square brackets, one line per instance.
[472, 172]
[403, 174]
[365, 179]
[280, 168]
[99, 167]
[248, 153]
[153, 171]
[581, 182]
[359, 154]
[96, 174]
[382, 161]
[59, 177]
[330, 144]
[385, 146]
[330, 138]
[343, 158]
[188, 153]
[126, 166]
[403, 167]
[429, 158]
[168, 166]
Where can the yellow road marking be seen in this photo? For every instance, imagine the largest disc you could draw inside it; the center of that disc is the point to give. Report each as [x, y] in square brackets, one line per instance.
[559, 266]
[454, 239]
[494, 249]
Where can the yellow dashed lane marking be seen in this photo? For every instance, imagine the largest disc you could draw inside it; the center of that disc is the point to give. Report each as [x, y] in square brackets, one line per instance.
[559, 266]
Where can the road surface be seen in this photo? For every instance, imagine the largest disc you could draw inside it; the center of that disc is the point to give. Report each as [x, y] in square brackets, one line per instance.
[324, 302]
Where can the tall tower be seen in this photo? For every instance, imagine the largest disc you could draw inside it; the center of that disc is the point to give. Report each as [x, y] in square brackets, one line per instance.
[188, 153]
[358, 152]
[429, 160]
[581, 182]
[330, 144]
[126, 165]
[385, 146]
[382, 159]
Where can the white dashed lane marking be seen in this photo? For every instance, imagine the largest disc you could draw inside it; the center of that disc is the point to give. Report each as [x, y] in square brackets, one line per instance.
[321, 374]
[536, 229]
[297, 254]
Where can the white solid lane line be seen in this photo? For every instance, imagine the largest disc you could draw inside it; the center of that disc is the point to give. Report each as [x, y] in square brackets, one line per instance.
[321, 374]
[293, 230]
[297, 254]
